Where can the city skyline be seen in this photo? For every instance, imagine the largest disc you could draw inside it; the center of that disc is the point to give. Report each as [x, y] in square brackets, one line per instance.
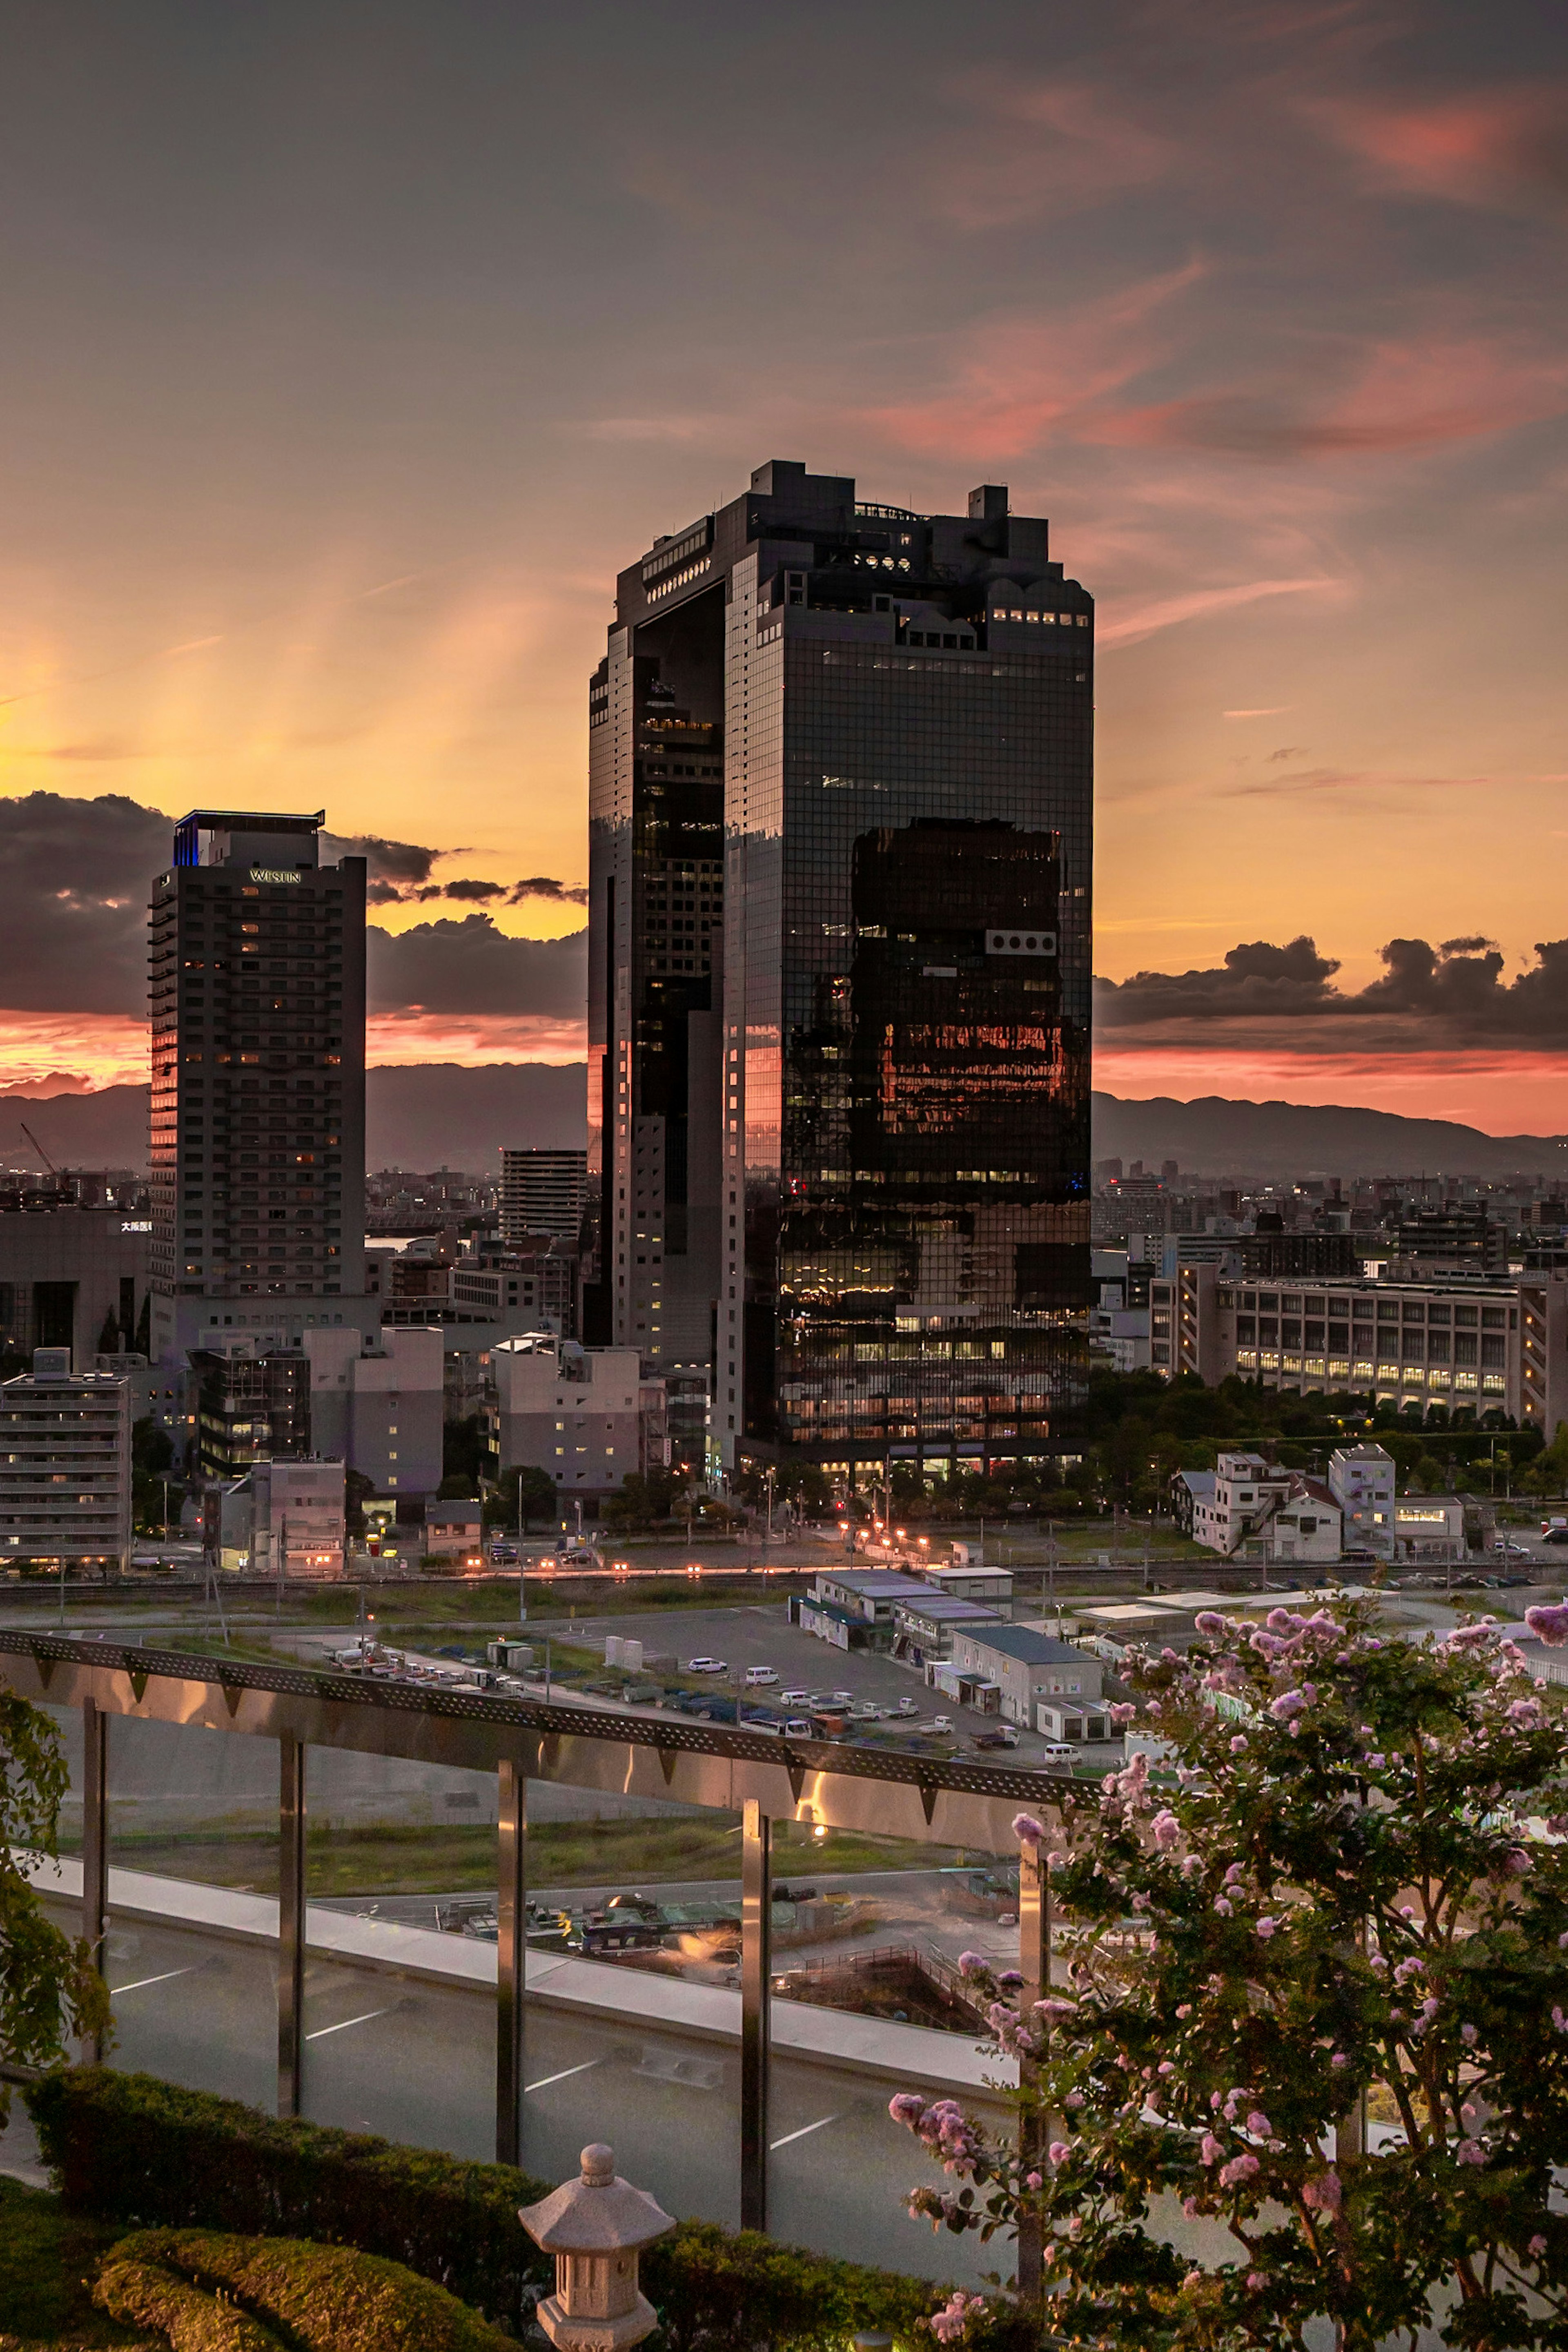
[335, 397]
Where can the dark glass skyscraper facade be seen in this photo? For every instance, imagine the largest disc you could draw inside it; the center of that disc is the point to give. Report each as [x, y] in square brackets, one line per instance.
[900, 1131]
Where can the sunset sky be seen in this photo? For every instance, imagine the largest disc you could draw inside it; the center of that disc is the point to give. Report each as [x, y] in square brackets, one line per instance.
[349, 350]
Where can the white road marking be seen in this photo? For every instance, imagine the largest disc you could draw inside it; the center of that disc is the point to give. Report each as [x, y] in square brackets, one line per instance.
[545, 2081]
[803, 2132]
[322, 2031]
[142, 1982]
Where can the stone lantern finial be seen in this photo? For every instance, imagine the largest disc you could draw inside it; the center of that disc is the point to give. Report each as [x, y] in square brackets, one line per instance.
[595, 2226]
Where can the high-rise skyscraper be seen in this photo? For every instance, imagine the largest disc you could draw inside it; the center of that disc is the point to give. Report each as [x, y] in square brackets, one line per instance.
[865, 1152]
[257, 987]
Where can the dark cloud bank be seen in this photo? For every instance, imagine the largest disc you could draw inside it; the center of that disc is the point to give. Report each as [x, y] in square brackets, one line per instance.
[75, 936]
[1426, 998]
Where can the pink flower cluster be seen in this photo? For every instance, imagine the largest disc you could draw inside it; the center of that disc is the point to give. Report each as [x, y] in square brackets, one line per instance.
[951, 2323]
[1550, 1624]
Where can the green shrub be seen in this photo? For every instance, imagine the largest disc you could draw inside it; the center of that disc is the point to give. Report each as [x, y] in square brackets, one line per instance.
[210, 2292]
[132, 2148]
[136, 2149]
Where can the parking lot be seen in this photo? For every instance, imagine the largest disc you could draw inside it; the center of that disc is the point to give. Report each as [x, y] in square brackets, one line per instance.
[761, 1634]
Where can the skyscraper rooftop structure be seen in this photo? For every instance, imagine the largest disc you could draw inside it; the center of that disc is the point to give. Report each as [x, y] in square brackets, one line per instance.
[840, 860]
[257, 981]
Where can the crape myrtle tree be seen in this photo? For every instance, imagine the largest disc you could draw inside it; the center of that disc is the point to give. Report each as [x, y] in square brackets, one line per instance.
[50, 1988]
[1311, 1995]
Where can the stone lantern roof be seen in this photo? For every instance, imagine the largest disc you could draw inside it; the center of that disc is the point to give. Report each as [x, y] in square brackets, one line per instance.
[599, 2213]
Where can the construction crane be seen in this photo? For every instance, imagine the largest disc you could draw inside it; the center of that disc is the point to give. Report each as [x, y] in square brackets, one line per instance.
[41, 1152]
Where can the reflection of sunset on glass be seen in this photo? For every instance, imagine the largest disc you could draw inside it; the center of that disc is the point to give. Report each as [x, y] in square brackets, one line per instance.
[320, 467]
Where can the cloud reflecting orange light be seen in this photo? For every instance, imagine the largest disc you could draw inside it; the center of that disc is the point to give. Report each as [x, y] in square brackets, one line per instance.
[1503, 1093]
[73, 1053]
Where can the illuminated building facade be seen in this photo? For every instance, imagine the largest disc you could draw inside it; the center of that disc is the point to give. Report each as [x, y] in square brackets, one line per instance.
[887, 1114]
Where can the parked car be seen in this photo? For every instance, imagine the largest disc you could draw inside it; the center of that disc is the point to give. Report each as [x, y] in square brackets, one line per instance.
[908, 1707]
[1558, 1535]
[1509, 1550]
[943, 1723]
[1001, 1738]
[844, 1698]
[705, 1666]
[795, 1698]
[798, 1727]
[756, 1675]
[1059, 1751]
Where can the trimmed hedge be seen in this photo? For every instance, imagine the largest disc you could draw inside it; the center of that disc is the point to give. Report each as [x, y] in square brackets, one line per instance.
[210, 2292]
[130, 2148]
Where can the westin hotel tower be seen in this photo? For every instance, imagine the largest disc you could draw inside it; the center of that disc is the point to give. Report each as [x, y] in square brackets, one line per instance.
[842, 799]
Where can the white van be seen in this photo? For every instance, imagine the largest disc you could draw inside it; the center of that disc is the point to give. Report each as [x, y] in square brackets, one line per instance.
[757, 1676]
[1059, 1751]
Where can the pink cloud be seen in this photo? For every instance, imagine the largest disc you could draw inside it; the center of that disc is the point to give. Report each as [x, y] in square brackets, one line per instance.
[1409, 395]
[1032, 380]
[1050, 145]
[1485, 148]
[1196, 605]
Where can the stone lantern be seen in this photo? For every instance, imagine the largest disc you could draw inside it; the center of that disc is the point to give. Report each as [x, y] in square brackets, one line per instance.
[595, 2227]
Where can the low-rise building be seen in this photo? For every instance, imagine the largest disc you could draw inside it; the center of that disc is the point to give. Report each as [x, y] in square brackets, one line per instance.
[455, 1529]
[65, 1468]
[1362, 1481]
[583, 1414]
[924, 1630]
[376, 1401]
[974, 1582]
[1429, 1528]
[1267, 1512]
[1045, 1683]
[289, 1517]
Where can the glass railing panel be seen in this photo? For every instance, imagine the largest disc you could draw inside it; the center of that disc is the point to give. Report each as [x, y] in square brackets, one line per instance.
[868, 2001]
[192, 1953]
[400, 1962]
[632, 2024]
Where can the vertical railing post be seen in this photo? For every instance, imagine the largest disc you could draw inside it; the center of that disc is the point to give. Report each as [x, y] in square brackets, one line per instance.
[290, 1923]
[94, 1848]
[511, 1955]
[756, 1987]
[1034, 1966]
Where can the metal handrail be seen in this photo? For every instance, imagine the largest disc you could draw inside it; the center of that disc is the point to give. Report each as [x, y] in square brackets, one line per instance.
[665, 1734]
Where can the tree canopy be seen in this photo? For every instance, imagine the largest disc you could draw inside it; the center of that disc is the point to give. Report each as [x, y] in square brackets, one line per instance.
[1306, 2054]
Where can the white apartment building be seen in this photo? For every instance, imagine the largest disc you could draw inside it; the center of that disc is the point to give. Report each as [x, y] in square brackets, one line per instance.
[586, 1415]
[1267, 1511]
[64, 1467]
[376, 1401]
[1362, 1481]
